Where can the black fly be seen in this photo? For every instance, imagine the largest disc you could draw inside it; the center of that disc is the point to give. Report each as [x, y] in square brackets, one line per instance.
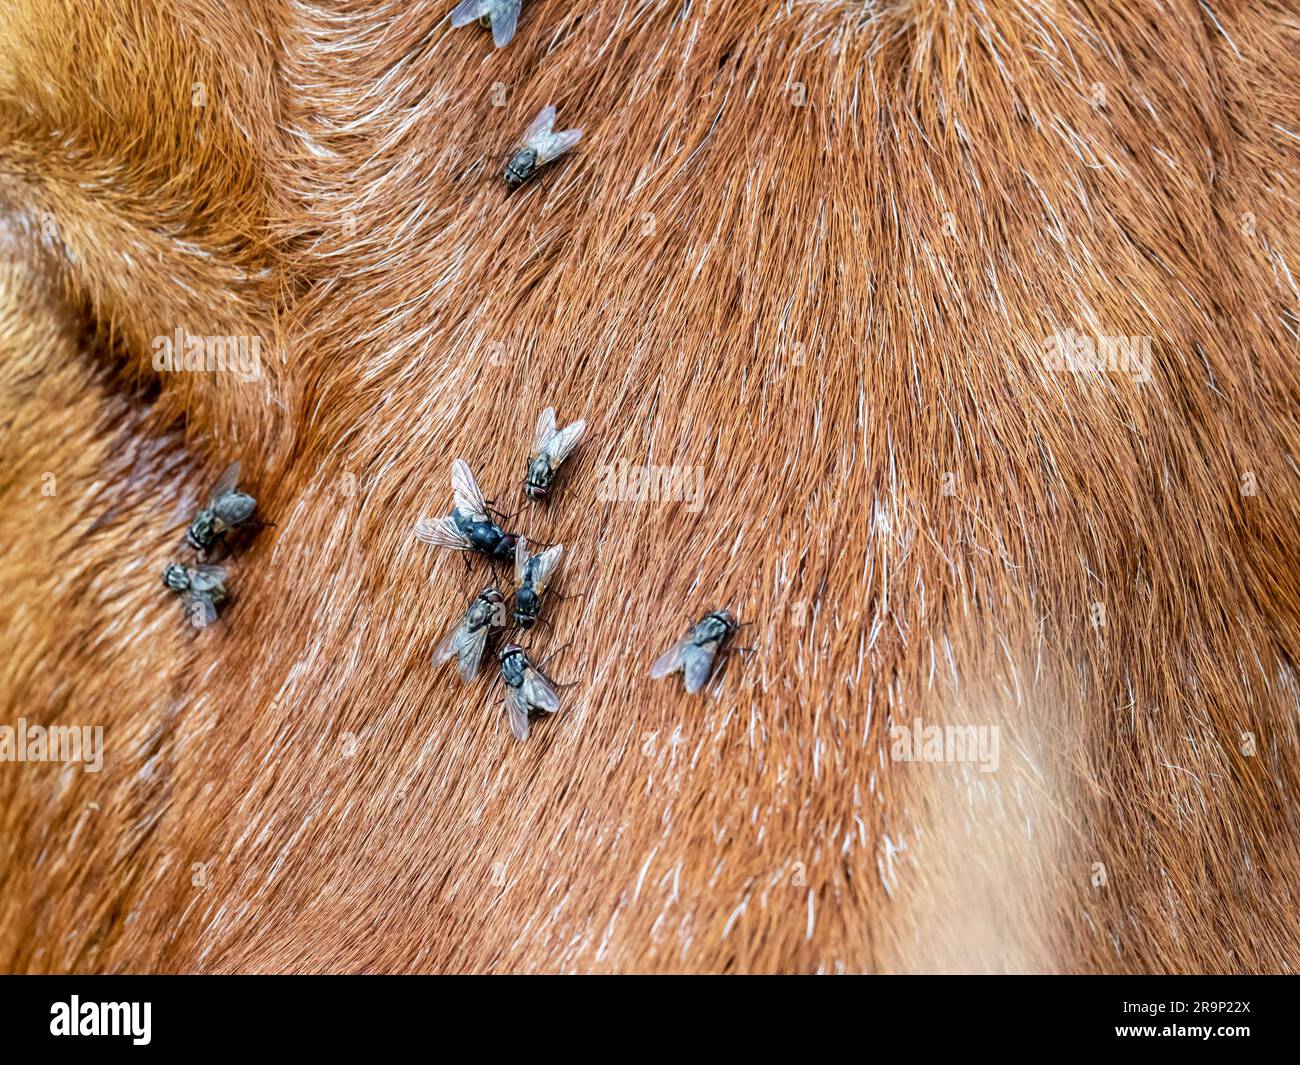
[203, 588]
[466, 641]
[227, 508]
[694, 653]
[532, 575]
[551, 447]
[527, 690]
[539, 146]
[468, 527]
[499, 15]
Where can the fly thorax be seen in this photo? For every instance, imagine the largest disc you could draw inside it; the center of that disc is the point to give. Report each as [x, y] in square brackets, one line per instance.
[540, 473]
[512, 669]
[201, 530]
[710, 630]
[521, 166]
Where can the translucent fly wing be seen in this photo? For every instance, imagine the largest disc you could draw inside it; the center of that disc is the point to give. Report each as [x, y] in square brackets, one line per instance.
[552, 145]
[540, 127]
[441, 532]
[546, 563]
[469, 652]
[206, 578]
[466, 12]
[466, 492]
[517, 711]
[545, 430]
[200, 610]
[521, 558]
[670, 661]
[225, 483]
[447, 646]
[539, 692]
[505, 16]
[697, 665]
[563, 442]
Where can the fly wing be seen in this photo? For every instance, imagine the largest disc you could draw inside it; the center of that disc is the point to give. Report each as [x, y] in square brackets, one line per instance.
[200, 610]
[466, 492]
[539, 692]
[441, 532]
[517, 711]
[505, 16]
[697, 665]
[466, 12]
[521, 559]
[561, 443]
[540, 127]
[671, 660]
[448, 646]
[545, 429]
[205, 578]
[469, 652]
[225, 483]
[546, 563]
[553, 145]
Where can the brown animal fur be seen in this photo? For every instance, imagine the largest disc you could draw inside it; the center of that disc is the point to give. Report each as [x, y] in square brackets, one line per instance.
[812, 248]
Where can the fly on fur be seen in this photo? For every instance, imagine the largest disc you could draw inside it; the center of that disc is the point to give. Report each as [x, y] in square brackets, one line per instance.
[539, 146]
[227, 508]
[468, 527]
[203, 588]
[528, 692]
[532, 575]
[695, 652]
[551, 447]
[501, 16]
[486, 614]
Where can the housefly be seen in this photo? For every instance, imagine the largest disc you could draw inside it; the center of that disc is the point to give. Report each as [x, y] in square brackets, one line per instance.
[539, 146]
[551, 447]
[694, 653]
[468, 527]
[226, 509]
[466, 641]
[499, 15]
[203, 588]
[527, 690]
[532, 575]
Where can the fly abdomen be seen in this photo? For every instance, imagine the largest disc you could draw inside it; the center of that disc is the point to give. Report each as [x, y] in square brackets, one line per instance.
[539, 478]
[527, 607]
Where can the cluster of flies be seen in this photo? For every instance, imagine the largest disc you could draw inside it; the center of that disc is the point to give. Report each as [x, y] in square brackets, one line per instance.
[203, 585]
[470, 527]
